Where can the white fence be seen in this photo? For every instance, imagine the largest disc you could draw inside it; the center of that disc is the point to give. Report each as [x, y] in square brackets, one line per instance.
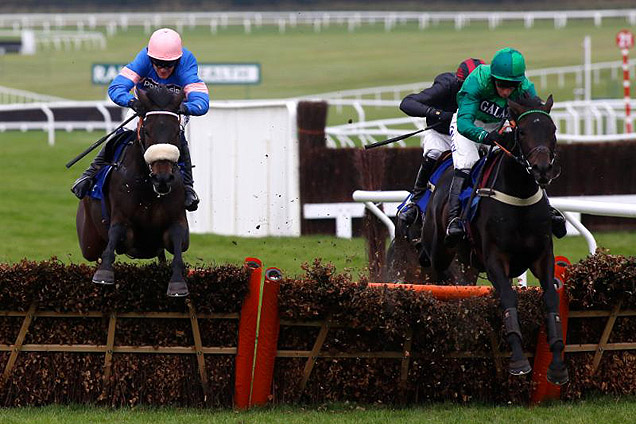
[576, 121]
[538, 76]
[50, 125]
[13, 95]
[59, 40]
[316, 19]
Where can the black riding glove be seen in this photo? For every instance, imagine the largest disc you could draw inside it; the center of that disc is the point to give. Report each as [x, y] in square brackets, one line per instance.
[136, 105]
[442, 115]
[492, 137]
[183, 109]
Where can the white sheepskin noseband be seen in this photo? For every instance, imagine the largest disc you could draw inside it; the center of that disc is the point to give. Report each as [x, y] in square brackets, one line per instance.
[161, 152]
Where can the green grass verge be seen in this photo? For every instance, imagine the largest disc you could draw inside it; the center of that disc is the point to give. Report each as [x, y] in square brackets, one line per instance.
[37, 214]
[606, 410]
[302, 62]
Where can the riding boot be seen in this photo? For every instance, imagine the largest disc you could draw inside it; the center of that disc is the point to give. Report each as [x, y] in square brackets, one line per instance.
[558, 223]
[83, 185]
[185, 165]
[455, 229]
[409, 213]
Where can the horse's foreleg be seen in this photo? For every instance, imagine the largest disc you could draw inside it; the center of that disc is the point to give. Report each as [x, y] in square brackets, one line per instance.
[498, 275]
[177, 236]
[104, 273]
[543, 269]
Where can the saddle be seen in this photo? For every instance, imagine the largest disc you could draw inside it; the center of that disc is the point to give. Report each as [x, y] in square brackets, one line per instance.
[443, 163]
[469, 211]
[115, 148]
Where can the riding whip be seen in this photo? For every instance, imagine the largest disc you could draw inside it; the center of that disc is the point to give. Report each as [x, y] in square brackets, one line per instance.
[400, 137]
[98, 142]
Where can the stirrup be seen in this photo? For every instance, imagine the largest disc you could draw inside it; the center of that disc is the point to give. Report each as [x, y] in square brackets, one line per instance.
[409, 213]
[455, 224]
[454, 232]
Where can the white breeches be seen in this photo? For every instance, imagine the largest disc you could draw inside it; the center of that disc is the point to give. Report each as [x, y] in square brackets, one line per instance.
[465, 151]
[434, 143]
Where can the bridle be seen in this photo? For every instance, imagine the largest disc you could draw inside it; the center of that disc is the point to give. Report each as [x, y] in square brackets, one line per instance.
[140, 134]
[521, 158]
[140, 138]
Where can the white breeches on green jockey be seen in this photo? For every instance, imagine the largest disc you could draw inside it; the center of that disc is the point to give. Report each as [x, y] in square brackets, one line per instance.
[465, 151]
[435, 143]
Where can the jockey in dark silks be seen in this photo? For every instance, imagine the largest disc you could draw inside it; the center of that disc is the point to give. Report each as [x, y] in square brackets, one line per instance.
[164, 61]
[437, 104]
[482, 105]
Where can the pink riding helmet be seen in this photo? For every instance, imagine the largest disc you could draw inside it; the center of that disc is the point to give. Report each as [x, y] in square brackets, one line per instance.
[165, 44]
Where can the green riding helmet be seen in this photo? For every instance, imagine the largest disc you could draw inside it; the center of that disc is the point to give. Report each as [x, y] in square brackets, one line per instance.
[508, 65]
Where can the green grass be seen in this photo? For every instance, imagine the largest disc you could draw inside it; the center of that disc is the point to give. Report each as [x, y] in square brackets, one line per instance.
[37, 214]
[302, 62]
[605, 410]
[37, 217]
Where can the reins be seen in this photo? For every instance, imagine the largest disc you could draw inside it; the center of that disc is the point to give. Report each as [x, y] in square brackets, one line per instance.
[522, 160]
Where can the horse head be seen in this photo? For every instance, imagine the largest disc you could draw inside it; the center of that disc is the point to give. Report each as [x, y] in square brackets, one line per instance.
[535, 134]
[159, 135]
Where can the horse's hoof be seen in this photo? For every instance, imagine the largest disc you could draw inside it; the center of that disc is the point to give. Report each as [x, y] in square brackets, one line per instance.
[558, 374]
[104, 276]
[177, 289]
[520, 367]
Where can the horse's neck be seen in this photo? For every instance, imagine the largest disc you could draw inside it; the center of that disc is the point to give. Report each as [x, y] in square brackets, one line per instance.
[511, 178]
[134, 163]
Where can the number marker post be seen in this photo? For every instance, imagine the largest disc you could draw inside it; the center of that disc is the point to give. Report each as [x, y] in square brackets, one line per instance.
[625, 41]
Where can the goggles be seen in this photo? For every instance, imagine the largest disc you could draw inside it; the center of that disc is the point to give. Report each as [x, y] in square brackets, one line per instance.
[164, 63]
[506, 84]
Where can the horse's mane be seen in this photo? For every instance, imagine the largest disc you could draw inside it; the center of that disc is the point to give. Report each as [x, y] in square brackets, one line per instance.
[161, 96]
[529, 101]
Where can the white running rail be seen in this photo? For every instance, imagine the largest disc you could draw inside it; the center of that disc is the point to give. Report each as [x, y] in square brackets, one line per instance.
[620, 206]
[62, 40]
[13, 95]
[577, 121]
[538, 76]
[50, 125]
[316, 19]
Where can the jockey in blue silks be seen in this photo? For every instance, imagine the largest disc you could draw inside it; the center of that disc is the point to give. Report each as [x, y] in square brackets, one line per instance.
[164, 61]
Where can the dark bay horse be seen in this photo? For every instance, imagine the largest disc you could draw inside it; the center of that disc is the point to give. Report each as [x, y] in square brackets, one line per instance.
[143, 211]
[402, 258]
[511, 231]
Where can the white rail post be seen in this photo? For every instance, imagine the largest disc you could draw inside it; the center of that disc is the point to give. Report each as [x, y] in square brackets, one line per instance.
[50, 120]
[107, 121]
[587, 47]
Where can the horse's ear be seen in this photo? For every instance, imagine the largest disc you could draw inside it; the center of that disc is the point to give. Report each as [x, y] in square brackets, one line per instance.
[143, 97]
[548, 104]
[515, 108]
